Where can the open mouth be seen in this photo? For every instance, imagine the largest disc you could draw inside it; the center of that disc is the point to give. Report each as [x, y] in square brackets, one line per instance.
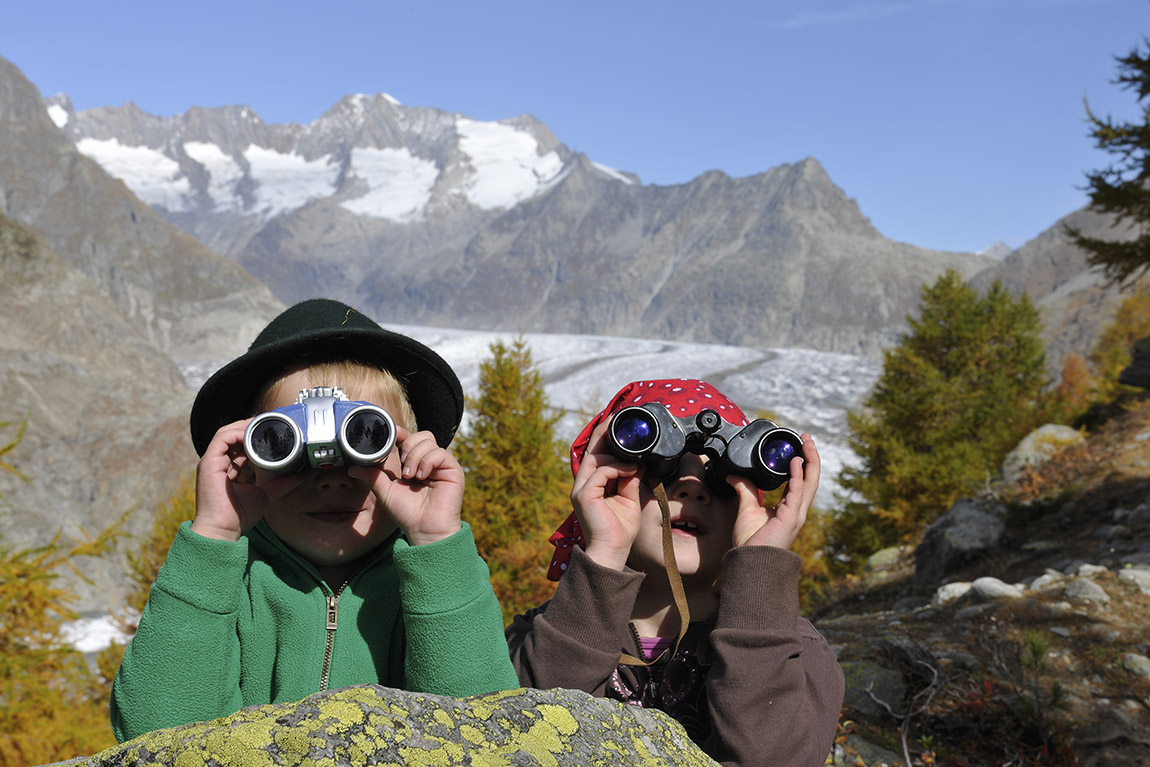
[687, 527]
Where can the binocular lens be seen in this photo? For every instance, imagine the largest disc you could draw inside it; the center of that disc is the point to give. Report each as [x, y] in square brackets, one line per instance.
[273, 439]
[367, 432]
[635, 430]
[776, 454]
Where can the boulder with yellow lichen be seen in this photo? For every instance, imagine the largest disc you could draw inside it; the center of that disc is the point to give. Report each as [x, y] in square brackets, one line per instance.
[369, 724]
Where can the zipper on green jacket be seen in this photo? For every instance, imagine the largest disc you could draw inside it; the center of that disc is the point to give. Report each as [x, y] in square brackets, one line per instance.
[331, 615]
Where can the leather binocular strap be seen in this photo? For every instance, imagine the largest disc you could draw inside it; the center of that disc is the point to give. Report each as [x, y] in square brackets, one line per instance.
[672, 576]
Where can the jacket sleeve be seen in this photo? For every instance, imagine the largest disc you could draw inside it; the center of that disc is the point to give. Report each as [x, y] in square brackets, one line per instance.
[452, 619]
[776, 688]
[574, 640]
[183, 665]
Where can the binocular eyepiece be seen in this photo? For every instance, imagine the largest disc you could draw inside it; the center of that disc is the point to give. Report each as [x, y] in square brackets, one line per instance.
[649, 434]
[321, 430]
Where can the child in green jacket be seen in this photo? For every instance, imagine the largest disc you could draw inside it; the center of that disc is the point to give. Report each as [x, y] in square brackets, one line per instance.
[288, 584]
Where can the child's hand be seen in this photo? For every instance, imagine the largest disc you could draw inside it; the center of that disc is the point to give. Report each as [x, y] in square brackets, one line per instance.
[759, 526]
[228, 500]
[605, 497]
[426, 499]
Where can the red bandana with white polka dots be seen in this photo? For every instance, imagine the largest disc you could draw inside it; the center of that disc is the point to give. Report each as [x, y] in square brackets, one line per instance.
[682, 396]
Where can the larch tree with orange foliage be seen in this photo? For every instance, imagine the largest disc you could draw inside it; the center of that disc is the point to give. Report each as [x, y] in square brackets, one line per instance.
[53, 705]
[518, 483]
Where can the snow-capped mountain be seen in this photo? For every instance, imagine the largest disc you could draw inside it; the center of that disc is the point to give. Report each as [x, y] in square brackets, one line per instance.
[422, 216]
[370, 154]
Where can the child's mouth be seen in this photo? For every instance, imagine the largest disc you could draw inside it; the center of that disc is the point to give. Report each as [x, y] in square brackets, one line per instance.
[687, 527]
[334, 517]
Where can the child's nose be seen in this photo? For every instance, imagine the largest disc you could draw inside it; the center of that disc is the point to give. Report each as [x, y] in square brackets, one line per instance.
[333, 479]
[691, 483]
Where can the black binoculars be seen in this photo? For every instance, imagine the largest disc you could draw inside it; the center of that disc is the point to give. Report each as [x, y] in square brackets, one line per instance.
[321, 430]
[649, 434]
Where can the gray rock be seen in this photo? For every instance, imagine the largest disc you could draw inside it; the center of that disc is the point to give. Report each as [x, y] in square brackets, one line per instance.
[950, 592]
[971, 612]
[377, 725]
[909, 604]
[1038, 447]
[1086, 590]
[1137, 373]
[884, 559]
[987, 588]
[1047, 578]
[856, 748]
[971, 527]
[1108, 532]
[1139, 517]
[1139, 559]
[865, 679]
[1139, 578]
[1138, 665]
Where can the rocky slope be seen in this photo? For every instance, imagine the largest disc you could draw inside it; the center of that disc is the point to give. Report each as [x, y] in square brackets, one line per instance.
[105, 412]
[1073, 299]
[1033, 648]
[189, 302]
[98, 296]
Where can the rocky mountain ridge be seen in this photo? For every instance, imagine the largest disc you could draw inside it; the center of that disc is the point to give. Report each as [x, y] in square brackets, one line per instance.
[424, 217]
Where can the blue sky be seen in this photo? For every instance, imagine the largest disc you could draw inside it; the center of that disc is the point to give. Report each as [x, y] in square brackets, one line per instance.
[952, 123]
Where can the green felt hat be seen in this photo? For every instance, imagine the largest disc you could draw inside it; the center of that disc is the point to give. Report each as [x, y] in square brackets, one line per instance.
[323, 330]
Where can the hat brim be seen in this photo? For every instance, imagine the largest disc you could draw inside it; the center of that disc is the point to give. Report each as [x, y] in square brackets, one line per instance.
[433, 389]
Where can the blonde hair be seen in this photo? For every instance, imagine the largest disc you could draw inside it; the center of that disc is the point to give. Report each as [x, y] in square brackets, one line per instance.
[359, 381]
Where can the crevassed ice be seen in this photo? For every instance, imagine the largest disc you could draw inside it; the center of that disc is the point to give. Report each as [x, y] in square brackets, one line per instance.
[223, 173]
[288, 181]
[399, 183]
[506, 164]
[152, 176]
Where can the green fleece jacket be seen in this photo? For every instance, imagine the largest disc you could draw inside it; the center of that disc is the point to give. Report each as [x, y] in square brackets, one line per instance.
[229, 625]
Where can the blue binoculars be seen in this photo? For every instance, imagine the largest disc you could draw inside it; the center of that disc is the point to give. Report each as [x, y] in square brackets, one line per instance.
[649, 434]
[321, 430]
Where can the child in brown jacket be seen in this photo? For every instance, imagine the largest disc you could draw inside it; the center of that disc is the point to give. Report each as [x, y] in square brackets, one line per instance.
[751, 681]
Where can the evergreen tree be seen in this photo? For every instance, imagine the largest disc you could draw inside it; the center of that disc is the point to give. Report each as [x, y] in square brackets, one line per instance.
[518, 483]
[1122, 188]
[958, 393]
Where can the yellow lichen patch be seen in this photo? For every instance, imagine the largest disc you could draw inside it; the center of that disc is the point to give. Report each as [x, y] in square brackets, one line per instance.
[346, 714]
[560, 718]
[442, 718]
[187, 759]
[640, 748]
[488, 759]
[245, 743]
[473, 735]
[420, 757]
[291, 740]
